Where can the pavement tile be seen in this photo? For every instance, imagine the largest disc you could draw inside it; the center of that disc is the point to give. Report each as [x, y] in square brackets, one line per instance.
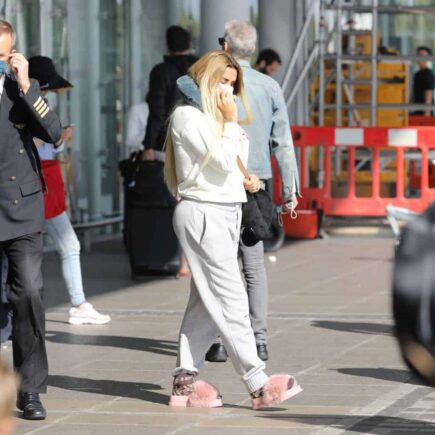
[330, 325]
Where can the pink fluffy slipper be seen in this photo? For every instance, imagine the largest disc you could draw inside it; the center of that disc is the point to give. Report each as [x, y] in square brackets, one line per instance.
[277, 389]
[204, 395]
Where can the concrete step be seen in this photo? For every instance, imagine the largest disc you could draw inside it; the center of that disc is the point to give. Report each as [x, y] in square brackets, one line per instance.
[357, 227]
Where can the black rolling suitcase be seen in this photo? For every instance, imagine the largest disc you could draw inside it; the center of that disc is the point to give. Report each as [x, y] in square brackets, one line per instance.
[152, 245]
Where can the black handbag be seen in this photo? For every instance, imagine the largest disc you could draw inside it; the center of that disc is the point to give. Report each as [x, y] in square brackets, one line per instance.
[129, 167]
[257, 214]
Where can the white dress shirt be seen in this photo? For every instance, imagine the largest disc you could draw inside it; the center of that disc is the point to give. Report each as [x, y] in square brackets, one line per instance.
[2, 83]
[136, 125]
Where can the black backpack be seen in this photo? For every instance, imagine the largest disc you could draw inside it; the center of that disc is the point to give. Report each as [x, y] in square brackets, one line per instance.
[414, 295]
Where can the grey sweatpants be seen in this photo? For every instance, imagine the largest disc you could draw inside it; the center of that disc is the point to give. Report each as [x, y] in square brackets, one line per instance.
[254, 271]
[218, 303]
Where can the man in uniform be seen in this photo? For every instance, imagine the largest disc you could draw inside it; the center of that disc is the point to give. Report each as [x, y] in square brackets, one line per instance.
[24, 114]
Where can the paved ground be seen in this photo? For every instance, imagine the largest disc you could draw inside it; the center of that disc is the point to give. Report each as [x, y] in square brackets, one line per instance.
[330, 325]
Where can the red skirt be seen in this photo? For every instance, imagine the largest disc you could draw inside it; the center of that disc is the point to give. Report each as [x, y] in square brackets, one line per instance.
[55, 198]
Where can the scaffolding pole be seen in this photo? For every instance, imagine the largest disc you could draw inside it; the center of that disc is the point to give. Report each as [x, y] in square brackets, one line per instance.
[342, 9]
[321, 120]
[338, 75]
[374, 64]
[302, 75]
[299, 45]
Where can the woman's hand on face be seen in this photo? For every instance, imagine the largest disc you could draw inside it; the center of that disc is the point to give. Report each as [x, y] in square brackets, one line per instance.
[251, 184]
[227, 105]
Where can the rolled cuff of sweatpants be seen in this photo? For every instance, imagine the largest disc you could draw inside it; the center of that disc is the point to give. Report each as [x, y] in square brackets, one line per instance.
[181, 370]
[255, 379]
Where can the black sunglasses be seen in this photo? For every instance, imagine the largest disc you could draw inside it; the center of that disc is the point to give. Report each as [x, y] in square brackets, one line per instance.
[221, 41]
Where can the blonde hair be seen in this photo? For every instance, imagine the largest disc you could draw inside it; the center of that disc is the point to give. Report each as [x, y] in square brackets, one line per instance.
[8, 391]
[207, 73]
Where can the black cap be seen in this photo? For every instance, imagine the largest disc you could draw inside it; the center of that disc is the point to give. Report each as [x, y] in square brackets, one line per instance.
[42, 69]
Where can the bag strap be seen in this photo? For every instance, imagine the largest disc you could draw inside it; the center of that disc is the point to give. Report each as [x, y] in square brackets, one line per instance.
[242, 167]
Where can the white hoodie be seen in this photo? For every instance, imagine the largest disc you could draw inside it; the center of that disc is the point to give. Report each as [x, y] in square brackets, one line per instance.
[221, 179]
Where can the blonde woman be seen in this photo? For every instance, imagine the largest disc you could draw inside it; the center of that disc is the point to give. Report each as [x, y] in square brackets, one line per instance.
[203, 144]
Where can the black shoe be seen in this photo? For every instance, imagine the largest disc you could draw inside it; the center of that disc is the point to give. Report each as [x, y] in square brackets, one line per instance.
[262, 352]
[31, 406]
[216, 353]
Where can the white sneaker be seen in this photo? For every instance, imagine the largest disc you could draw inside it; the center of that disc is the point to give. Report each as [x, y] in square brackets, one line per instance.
[87, 315]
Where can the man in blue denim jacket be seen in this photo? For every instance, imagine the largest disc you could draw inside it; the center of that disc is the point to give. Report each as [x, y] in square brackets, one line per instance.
[268, 133]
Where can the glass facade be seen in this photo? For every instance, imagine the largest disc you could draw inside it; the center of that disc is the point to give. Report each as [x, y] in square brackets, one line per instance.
[106, 48]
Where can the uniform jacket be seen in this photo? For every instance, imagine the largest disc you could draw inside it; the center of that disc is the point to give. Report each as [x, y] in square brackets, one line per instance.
[23, 117]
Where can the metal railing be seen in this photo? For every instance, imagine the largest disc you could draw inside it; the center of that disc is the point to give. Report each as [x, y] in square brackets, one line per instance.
[341, 8]
[86, 228]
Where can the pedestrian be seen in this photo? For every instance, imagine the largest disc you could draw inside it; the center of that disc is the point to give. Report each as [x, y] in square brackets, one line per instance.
[24, 115]
[8, 391]
[424, 82]
[205, 149]
[162, 89]
[268, 61]
[268, 133]
[57, 222]
[162, 96]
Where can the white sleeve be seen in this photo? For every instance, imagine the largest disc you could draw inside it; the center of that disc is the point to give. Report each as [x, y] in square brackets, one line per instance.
[59, 148]
[198, 136]
[135, 129]
[47, 151]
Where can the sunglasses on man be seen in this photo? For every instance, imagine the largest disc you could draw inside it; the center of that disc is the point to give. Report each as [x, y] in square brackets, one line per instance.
[221, 41]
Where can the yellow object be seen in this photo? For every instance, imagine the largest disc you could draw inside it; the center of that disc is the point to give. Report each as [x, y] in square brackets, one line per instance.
[392, 88]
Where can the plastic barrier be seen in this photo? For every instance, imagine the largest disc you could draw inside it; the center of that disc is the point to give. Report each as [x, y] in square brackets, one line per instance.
[359, 171]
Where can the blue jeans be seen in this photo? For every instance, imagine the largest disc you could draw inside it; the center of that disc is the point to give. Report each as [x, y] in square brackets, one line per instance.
[67, 245]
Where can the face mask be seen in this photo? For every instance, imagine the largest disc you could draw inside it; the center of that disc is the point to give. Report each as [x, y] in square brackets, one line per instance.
[227, 88]
[3, 67]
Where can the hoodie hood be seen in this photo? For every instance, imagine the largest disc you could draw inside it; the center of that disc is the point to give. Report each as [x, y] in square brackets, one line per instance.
[190, 91]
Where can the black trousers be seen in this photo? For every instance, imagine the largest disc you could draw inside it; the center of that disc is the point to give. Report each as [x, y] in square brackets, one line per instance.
[25, 298]
[5, 311]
